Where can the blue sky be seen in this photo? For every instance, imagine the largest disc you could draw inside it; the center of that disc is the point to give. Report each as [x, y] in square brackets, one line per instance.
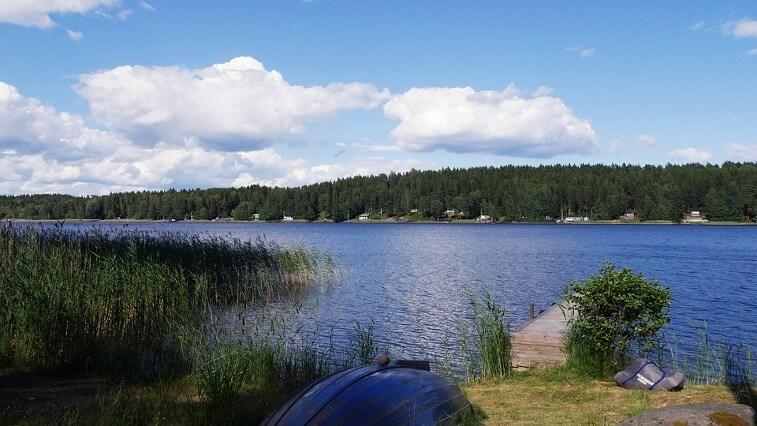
[363, 87]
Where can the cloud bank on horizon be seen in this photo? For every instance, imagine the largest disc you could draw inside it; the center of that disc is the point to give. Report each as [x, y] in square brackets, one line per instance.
[237, 122]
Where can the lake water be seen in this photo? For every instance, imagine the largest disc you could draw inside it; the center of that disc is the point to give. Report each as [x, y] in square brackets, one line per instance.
[410, 280]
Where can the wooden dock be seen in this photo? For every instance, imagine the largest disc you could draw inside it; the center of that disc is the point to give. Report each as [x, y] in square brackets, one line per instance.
[539, 343]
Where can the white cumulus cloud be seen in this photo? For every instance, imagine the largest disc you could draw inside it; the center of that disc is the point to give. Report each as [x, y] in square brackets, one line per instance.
[234, 105]
[43, 150]
[691, 155]
[29, 126]
[743, 28]
[461, 119]
[36, 13]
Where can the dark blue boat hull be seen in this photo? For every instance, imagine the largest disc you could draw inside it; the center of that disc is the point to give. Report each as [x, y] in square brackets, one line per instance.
[373, 394]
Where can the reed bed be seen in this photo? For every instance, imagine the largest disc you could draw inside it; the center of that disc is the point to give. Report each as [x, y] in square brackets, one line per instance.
[712, 362]
[133, 301]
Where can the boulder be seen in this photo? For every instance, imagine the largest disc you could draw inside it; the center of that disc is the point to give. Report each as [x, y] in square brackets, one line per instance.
[713, 414]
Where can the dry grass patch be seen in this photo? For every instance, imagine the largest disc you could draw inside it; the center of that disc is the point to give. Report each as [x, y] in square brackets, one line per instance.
[559, 397]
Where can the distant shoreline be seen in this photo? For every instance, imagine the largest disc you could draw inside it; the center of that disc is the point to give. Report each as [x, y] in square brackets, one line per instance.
[371, 222]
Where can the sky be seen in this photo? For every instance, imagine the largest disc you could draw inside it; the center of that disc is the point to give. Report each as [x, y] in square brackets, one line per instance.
[99, 96]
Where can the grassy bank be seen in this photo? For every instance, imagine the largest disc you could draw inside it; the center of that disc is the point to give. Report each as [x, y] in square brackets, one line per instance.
[558, 397]
[564, 397]
[240, 384]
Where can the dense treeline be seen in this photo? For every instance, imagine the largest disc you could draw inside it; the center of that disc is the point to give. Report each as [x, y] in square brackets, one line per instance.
[511, 193]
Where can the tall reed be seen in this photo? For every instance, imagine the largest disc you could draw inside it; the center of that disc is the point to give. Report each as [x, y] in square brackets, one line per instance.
[712, 361]
[363, 347]
[493, 337]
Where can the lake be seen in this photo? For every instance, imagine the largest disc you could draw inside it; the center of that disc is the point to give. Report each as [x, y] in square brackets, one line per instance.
[410, 280]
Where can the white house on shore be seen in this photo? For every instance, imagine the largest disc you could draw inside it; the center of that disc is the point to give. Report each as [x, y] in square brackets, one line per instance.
[287, 218]
[364, 216]
[569, 219]
[694, 216]
[484, 218]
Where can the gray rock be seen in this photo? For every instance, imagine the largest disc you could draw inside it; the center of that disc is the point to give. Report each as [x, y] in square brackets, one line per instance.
[696, 415]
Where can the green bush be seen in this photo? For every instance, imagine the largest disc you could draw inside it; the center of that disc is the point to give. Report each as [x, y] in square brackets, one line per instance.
[619, 312]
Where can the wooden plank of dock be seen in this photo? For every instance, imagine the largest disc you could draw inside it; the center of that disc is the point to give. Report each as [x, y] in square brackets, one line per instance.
[539, 343]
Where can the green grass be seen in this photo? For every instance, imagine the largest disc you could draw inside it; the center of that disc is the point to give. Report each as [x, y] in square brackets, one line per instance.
[235, 369]
[562, 396]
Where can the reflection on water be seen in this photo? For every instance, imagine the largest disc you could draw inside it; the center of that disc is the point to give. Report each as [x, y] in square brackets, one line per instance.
[411, 280]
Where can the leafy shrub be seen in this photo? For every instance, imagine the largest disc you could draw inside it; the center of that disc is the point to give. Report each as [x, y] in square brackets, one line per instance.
[618, 311]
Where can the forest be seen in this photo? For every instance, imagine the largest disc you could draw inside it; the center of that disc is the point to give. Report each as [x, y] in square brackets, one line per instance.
[726, 192]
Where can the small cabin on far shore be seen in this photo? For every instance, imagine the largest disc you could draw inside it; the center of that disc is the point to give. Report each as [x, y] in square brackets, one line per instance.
[694, 216]
[484, 218]
[629, 215]
[364, 216]
[572, 218]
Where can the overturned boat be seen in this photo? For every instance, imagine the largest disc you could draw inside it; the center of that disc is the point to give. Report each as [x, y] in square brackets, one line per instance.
[399, 393]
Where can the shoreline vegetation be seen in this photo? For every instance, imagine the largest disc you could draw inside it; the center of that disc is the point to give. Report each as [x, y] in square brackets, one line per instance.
[387, 221]
[547, 193]
[133, 328]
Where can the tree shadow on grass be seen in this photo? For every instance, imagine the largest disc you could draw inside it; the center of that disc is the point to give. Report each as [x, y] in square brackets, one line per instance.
[62, 397]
